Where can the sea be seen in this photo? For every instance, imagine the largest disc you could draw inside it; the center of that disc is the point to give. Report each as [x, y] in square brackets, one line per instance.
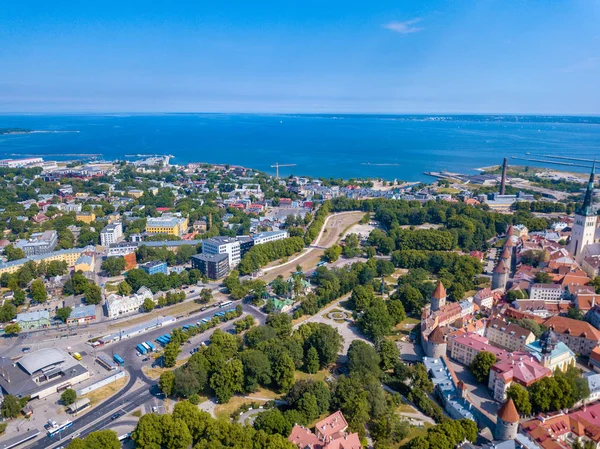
[391, 147]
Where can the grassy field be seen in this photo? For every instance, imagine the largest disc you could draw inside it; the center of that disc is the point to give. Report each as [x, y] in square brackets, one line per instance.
[155, 372]
[413, 433]
[264, 393]
[224, 411]
[103, 393]
[406, 325]
[319, 375]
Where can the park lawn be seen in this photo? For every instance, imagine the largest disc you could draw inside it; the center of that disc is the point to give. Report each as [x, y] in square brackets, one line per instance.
[263, 393]
[155, 372]
[414, 432]
[105, 392]
[406, 325]
[406, 408]
[319, 375]
[224, 411]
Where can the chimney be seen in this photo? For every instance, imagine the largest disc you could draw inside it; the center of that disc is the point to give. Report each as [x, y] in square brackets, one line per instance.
[503, 180]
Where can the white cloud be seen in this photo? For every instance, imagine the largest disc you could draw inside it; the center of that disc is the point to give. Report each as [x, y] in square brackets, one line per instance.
[404, 27]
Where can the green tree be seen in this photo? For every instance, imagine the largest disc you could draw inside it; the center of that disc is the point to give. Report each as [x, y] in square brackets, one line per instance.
[205, 295]
[175, 433]
[148, 432]
[228, 380]
[363, 359]
[148, 305]
[333, 253]
[311, 363]
[170, 354]
[531, 325]
[124, 289]
[19, 297]
[257, 369]
[38, 291]
[541, 277]
[80, 283]
[283, 371]
[307, 405]
[101, 439]
[7, 312]
[389, 354]
[12, 329]
[63, 314]
[68, 396]
[520, 397]
[113, 265]
[167, 382]
[11, 406]
[93, 294]
[481, 365]
[13, 253]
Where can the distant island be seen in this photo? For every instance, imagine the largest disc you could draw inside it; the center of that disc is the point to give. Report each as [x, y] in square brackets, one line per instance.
[15, 131]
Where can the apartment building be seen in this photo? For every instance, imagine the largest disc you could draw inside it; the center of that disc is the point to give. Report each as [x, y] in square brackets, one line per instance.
[111, 233]
[508, 335]
[39, 243]
[547, 292]
[213, 266]
[266, 237]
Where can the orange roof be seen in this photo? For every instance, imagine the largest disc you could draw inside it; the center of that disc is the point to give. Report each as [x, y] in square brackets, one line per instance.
[440, 291]
[501, 267]
[576, 328]
[437, 336]
[508, 412]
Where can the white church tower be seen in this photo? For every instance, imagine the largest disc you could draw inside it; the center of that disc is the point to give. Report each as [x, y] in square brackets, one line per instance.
[584, 226]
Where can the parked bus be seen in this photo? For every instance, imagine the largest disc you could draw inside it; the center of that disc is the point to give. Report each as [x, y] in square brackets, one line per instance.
[77, 356]
[141, 349]
[106, 362]
[225, 304]
[167, 337]
[163, 341]
[117, 358]
[145, 346]
[204, 320]
[151, 346]
[53, 428]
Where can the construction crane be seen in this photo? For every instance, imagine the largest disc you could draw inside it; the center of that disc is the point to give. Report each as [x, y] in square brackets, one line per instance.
[277, 165]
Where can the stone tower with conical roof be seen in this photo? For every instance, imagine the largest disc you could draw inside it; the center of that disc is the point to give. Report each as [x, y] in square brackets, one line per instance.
[506, 257]
[500, 275]
[436, 343]
[438, 299]
[507, 424]
[584, 224]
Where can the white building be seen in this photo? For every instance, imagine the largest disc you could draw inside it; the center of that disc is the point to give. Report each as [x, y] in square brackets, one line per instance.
[484, 298]
[111, 233]
[547, 292]
[17, 163]
[223, 245]
[121, 249]
[266, 237]
[117, 305]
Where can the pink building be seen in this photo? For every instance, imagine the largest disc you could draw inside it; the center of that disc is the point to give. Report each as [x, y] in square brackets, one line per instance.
[330, 433]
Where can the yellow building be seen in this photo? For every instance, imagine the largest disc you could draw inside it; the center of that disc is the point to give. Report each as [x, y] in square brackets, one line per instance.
[135, 193]
[167, 224]
[69, 256]
[86, 217]
[84, 263]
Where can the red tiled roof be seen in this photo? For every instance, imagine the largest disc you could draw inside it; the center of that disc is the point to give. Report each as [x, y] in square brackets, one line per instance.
[440, 291]
[573, 327]
[508, 412]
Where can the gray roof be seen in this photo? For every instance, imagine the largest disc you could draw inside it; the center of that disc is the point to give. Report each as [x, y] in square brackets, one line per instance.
[33, 316]
[211, 257]
[83, 311]
[40, 359]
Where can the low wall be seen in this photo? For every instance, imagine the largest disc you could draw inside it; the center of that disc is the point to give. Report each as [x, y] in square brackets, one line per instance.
[101, 383]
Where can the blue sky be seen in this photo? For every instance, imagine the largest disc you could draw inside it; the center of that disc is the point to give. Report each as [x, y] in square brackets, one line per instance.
[301, 56]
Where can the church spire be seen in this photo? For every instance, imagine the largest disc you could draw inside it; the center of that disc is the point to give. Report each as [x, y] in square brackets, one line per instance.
[587, 208]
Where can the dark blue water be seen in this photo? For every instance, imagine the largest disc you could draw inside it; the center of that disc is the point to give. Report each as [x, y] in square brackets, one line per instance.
[401, 147]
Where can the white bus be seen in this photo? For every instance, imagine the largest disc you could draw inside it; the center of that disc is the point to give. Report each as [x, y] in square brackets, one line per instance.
[225, 304]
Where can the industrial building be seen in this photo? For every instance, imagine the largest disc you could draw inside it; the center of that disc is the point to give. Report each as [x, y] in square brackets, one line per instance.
[40, 373]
